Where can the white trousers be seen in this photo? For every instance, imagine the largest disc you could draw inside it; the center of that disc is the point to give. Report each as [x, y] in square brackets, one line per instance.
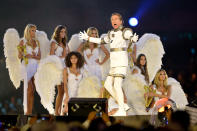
[113, 84]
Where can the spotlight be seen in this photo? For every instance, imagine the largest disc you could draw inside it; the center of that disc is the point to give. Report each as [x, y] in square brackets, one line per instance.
[133, 21]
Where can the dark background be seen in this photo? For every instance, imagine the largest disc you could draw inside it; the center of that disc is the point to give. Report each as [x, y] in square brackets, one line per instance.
[173, 20]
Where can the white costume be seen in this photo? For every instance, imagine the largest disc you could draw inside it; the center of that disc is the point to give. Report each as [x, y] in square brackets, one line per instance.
[59, 51]
[118, 61]
[26, 70]
[73, 83]
[92, 67]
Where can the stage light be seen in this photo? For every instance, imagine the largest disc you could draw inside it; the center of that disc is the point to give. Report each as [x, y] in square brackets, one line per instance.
[133, 21]
[193, 51]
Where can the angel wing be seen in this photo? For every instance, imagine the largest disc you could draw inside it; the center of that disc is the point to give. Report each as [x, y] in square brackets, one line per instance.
[44, 43]
[49, 74]
[151, 46]
[105, 66]
[74, 42]
[89, 87]
[177, 93]
[133, 87]
[11, 40]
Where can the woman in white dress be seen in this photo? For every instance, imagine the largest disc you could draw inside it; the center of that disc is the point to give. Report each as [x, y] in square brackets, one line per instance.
[72, 76]
[90, 51]
[167, 88]
[60, 49]
[29, 52]
[134, 85]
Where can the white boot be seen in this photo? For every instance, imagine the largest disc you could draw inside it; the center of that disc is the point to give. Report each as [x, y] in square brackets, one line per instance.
[120, 112]
[126, 107]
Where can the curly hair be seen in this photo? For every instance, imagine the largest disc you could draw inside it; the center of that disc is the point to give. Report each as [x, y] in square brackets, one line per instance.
[80, 59]
[145, 71]
[56, 34]
[157, 81]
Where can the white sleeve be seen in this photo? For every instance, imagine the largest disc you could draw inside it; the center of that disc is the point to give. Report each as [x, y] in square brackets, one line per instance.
[95, 40]
[103, 40]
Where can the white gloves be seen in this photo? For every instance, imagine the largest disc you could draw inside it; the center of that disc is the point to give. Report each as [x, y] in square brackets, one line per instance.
[83, 35]
[134, 38]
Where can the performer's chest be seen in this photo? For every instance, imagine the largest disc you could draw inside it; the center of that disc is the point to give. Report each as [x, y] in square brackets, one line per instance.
[116, 39]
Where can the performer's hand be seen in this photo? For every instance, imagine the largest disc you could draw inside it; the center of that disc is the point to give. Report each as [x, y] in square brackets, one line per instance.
[97, 61]
[89, 55]
[29, 56]
[65, 109]
[92, 116]
[134, 38]
[83, 35]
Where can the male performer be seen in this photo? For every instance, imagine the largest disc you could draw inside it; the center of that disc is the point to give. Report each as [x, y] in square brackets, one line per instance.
[119, 39]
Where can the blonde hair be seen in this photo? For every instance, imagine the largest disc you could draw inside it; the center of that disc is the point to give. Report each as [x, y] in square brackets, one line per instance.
[157, 81]
[89, 32]
[27, 31]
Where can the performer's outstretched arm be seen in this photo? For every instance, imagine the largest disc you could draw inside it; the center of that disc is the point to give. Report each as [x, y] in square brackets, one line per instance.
[84, 36]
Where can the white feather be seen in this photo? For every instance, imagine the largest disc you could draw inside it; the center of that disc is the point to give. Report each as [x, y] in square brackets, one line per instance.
[89, 87]
[49, 74]
[151, 46]
[44, 43]
[74, 42]
[133, 87]
[177, 93]
[11, 40]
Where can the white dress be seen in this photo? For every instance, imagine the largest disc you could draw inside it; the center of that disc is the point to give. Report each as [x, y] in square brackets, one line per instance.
[59, 51]
[28, 70]
[92, 67]
[73, 83]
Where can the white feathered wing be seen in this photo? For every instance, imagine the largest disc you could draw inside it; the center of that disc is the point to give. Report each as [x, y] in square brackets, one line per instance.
[177, 93]
[49, 74]
[74, 42]
[133, 87]
[44, 43]
[151, 46]
[11, 40]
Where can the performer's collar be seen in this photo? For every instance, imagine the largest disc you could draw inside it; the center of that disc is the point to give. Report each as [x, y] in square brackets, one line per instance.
[119, 28]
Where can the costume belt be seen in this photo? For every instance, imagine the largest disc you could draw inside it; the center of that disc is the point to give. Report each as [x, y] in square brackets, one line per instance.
[117, 75]
[117, 49]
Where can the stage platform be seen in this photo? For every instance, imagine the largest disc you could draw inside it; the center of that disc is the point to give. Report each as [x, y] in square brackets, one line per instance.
[135, 121]
[21, 120]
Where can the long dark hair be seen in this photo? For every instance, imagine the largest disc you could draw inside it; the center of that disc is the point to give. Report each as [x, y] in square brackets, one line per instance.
[80, 61]
[143, 71]
[56, 34]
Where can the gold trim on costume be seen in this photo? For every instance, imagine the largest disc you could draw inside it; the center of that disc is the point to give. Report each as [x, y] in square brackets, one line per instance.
[118, 49]
[103, 41]
[125, 29]
[117, 75]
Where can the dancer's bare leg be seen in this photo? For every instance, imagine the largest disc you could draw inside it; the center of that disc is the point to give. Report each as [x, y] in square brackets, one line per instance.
[30, 97]
[59, 99]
